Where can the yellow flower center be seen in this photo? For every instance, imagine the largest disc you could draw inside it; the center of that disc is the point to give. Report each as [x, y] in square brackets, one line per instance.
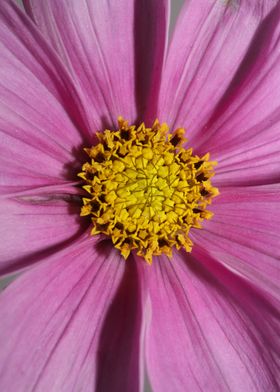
[146, 190]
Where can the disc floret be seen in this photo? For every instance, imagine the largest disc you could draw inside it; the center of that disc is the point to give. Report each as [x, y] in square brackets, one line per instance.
[145, 190]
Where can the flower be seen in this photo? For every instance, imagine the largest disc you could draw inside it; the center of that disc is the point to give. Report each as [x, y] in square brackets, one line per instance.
[146, 191]
[79, 317]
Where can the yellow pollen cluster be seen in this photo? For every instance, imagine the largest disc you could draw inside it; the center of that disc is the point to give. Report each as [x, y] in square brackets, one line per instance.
[146, 191]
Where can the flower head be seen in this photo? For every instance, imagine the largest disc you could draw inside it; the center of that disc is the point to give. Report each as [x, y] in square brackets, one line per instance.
[195, 305]
[146, 190]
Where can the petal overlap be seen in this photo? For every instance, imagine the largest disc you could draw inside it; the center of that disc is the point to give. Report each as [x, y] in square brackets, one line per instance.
[203, 336]
[243, 134]
[58, 313]
[114, 51]
[210, 41]
[34, 226]
[41, 125]
[244, 235]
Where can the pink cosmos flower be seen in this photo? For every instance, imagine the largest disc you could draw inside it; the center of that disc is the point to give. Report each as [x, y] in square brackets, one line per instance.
[80, 318]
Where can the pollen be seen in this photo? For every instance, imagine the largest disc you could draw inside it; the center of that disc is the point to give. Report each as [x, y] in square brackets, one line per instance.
[145, 190]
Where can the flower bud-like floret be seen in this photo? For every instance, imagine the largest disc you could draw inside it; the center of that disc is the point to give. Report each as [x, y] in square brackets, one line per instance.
[146, 191]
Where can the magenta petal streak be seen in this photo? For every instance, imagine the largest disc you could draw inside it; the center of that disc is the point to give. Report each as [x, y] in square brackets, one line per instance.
[199, 332]
[243, 132]
[114, 51]
[31, 226]
[208, 45]
[38, 108]
[250, 244]
[59, 342]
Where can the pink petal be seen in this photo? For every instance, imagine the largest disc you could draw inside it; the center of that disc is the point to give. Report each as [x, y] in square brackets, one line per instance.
[255, 162]
[244, 133]
[34, 226]
[209, 43]
[244, 234]
[114, 50]
[201, 338]
[38, 108]
[60, 315]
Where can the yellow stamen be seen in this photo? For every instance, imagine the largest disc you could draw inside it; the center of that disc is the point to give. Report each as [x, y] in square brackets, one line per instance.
[146, 190]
